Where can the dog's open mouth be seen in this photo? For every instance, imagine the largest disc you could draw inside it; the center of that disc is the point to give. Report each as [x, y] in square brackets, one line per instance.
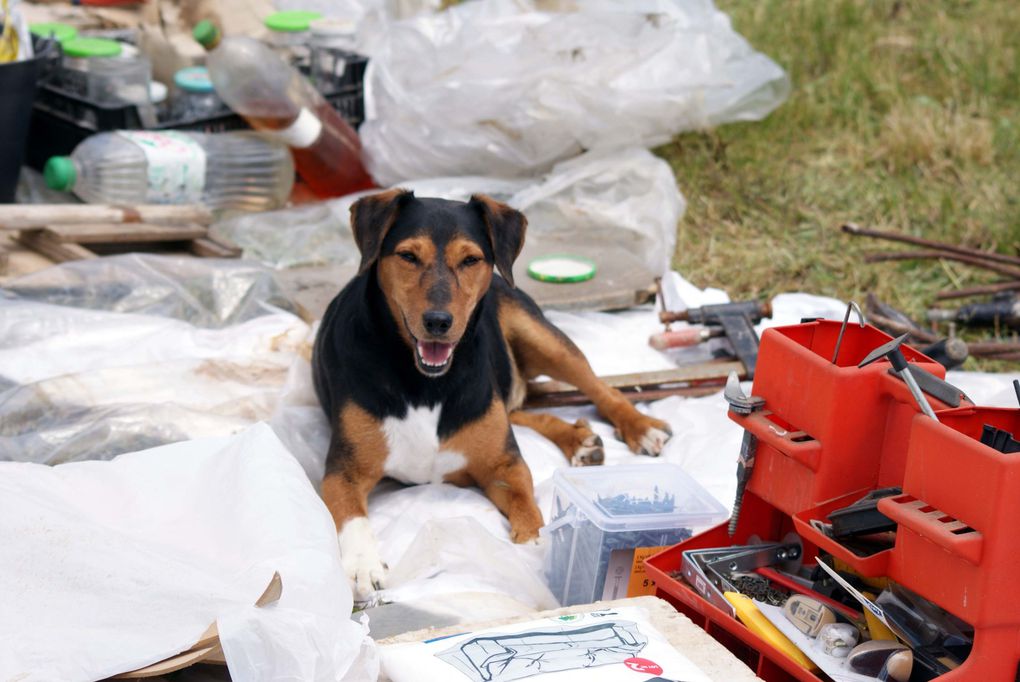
[433, 356]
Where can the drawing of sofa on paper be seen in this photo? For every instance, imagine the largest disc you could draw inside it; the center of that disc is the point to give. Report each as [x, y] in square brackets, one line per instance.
[505, 657]
[599, 645]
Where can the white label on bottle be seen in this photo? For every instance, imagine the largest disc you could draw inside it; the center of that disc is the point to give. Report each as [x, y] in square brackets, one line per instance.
[302, 133]
[176, 165]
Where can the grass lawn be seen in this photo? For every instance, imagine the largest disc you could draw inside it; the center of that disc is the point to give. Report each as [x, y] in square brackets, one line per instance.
[904, 115]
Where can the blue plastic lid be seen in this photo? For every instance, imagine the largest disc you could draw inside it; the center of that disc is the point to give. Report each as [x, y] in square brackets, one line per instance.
[194, 79]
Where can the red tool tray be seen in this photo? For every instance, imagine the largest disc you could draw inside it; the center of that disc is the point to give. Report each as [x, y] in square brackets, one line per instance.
[831, 432]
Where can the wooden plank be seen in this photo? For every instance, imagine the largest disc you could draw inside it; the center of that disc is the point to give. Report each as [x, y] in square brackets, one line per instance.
[113, 233]
[21, 216]
[171, 664]
[691, 381]
[210, 248]
[48, 246]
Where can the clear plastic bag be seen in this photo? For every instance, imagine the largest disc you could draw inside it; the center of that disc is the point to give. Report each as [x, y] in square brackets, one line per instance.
[502, 89]
[626, 202]
[204, 292]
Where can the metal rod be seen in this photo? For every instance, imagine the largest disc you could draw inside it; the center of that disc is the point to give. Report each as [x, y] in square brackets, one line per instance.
[846, 318]
[851, 228]
[879, 257]
[982, 290]
[922, 402]
[1016, 389]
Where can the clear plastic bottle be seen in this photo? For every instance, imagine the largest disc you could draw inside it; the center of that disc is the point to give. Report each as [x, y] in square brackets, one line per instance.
[237, 171]
[275, 98]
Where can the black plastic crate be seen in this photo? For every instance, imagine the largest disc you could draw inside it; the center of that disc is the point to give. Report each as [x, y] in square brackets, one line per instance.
[62, 116]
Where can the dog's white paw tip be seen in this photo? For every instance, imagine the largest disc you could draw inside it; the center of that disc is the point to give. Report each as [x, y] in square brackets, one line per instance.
[653, 441]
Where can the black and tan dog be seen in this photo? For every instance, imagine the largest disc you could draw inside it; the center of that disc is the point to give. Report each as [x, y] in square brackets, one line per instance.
[421, 363]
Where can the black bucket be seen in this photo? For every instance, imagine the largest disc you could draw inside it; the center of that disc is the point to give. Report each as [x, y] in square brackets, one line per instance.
[18, 81]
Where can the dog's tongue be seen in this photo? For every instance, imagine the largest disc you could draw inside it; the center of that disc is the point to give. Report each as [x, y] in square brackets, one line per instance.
[434, 352]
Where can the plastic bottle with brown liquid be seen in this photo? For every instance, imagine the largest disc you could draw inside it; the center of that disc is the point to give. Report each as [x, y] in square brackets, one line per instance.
[275, 98]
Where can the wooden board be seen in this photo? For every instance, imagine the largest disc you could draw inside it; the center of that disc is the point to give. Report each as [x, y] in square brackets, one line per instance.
[52, 248]
[112, 233]
[22, 216]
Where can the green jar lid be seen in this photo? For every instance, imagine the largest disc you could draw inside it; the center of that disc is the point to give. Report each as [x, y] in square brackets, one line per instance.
[91, 47]
[206, 33]
[193, 79]
[292, 21]
[562, 269]
[59, 173]
[60, 32]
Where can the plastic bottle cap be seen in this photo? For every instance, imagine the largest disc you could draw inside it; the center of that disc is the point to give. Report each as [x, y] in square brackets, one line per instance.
[157, 92]
[193, 79]
[59, 173]
[206, 33]
[332, 26]
[292, 21]
[60, 32]
[91, 47]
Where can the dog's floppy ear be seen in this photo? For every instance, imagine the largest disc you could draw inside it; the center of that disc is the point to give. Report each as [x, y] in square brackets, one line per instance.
[371, 218]
[506, 227]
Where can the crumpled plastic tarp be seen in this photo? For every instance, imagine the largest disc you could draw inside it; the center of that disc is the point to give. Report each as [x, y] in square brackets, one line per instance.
[111, 566]
[624, 200]
[508, 88]
[131, 355]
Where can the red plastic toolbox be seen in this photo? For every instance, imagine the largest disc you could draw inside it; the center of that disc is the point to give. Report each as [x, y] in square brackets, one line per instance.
[958, 538]
[828, 429]
[760, 519]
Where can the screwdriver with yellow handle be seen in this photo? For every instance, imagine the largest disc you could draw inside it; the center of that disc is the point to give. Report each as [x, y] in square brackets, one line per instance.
[756, 622]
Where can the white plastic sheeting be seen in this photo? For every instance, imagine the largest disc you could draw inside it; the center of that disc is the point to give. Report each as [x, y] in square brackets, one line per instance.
[625, 200]
[508, 88]
[111, 566]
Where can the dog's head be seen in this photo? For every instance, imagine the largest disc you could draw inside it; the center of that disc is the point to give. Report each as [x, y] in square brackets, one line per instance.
[434, 261]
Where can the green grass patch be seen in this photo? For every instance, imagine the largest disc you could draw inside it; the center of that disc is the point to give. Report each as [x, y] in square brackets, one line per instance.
[904, 115]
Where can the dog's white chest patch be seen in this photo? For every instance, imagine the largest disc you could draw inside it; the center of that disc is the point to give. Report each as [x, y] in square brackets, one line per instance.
[413, 442]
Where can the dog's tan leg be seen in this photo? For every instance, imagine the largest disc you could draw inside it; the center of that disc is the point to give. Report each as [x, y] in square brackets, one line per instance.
[354, 467]
[577, 441]
[494, 462]
[540, 348]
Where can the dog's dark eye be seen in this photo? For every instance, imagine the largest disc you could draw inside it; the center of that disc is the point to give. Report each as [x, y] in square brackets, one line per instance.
[408, 256]
[470, 260]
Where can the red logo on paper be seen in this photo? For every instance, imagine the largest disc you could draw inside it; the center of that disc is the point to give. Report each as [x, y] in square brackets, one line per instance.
[643, 665]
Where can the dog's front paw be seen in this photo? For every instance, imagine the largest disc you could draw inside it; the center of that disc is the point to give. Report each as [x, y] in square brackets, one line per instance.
[589, 449]
[359, 556]
[645, 435]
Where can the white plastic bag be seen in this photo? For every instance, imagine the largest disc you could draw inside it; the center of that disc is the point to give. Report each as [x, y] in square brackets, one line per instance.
[502, 89]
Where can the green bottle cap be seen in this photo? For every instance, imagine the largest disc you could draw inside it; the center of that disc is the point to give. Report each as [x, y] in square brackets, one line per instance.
[91, 47]
[292, 21]
[60, 32]
[206, 33]
[59, 173]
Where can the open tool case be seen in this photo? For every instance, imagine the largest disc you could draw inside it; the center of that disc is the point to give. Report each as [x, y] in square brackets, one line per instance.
[829, 432]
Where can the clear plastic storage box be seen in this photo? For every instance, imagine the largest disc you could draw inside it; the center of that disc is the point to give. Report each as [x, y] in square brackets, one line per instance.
[605, 520]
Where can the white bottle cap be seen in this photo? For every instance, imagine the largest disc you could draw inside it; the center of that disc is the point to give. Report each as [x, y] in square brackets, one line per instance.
[157, 92]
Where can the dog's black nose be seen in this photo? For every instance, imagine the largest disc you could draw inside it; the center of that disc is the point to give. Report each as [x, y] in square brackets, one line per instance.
[437, 322]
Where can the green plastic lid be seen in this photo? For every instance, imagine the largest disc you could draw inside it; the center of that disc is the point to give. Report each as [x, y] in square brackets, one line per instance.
[91, 47]
[61, 32]
[292, 21]
[59, 173]
[206, 33]
[562, 269]
[193, 79]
